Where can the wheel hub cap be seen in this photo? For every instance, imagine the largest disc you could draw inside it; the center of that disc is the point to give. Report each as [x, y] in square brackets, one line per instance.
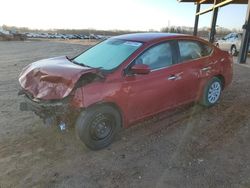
[101, 127]
[214, 92]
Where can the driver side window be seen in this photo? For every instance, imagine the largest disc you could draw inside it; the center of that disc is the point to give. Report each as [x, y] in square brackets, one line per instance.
[157, 57]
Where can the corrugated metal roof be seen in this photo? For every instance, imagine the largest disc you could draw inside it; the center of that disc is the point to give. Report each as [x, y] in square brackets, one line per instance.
[212, 1]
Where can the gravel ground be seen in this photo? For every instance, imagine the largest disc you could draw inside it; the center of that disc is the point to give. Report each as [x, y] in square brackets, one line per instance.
[188, 147]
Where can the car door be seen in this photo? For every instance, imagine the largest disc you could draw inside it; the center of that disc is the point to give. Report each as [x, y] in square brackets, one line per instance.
[153, 92]
[195, 66]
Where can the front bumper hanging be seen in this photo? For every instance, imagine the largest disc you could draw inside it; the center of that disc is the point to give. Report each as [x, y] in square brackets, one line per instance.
[50, 111]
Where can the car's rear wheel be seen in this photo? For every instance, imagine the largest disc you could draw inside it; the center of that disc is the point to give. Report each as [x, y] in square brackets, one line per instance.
[212, 92]
[97, 126]
[233, 51]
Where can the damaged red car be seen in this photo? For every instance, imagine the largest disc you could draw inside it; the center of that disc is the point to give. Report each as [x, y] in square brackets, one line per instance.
[122, 80]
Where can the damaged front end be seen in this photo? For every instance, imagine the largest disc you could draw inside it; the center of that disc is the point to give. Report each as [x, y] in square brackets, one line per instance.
[50, 87]
[51, 111]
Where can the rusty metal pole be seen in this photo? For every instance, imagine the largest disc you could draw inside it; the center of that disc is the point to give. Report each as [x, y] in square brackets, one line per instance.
[245, 38]
[196, 22]
[213, 25]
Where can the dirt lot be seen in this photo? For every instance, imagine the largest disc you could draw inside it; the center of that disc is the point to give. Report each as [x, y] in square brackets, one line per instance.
[189, 147]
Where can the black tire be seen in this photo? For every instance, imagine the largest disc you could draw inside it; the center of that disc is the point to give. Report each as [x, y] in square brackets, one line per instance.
[234, 51]
[206, 99]
[97, 126]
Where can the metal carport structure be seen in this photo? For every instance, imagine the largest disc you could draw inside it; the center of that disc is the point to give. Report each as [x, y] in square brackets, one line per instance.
[215, 5]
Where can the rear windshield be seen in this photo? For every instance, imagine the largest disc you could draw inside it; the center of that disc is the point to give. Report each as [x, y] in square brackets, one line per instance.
[108, 54]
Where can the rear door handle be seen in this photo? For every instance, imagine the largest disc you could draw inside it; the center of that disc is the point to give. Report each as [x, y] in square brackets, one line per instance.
[206, 68]
[172, 77]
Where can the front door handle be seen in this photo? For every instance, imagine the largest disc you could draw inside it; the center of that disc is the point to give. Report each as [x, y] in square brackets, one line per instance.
[176, 76]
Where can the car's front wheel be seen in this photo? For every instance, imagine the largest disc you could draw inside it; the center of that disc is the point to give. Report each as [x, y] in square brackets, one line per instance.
[97, 126]
[212, 92]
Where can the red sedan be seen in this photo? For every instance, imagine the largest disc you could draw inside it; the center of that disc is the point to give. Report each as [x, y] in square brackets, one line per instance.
[122, 80]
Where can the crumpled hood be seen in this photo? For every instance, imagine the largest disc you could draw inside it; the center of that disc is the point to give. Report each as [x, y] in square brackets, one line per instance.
[52, 78]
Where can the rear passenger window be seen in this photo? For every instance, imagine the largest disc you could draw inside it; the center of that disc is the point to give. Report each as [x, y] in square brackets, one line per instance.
[206, 50]
[190, 50]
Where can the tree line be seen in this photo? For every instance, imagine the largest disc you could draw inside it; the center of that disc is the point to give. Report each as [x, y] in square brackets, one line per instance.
[202, 32]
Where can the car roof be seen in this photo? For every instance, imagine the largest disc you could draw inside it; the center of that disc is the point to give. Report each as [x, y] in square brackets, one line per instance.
[150, 37]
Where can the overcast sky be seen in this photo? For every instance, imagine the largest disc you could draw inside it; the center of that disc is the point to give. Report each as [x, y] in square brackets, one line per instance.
[111, 14]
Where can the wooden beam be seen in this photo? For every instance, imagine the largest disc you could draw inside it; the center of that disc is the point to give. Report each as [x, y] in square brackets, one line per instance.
[202, 1]
[204, 11]
[221, 4]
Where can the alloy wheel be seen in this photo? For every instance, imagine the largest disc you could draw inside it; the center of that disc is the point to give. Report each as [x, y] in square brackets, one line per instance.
[214, 92]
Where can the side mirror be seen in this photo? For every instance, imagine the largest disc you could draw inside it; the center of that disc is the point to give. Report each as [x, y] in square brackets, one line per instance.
[140, 69]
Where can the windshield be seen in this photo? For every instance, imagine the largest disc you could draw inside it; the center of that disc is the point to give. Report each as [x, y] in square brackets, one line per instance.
[108, 54]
